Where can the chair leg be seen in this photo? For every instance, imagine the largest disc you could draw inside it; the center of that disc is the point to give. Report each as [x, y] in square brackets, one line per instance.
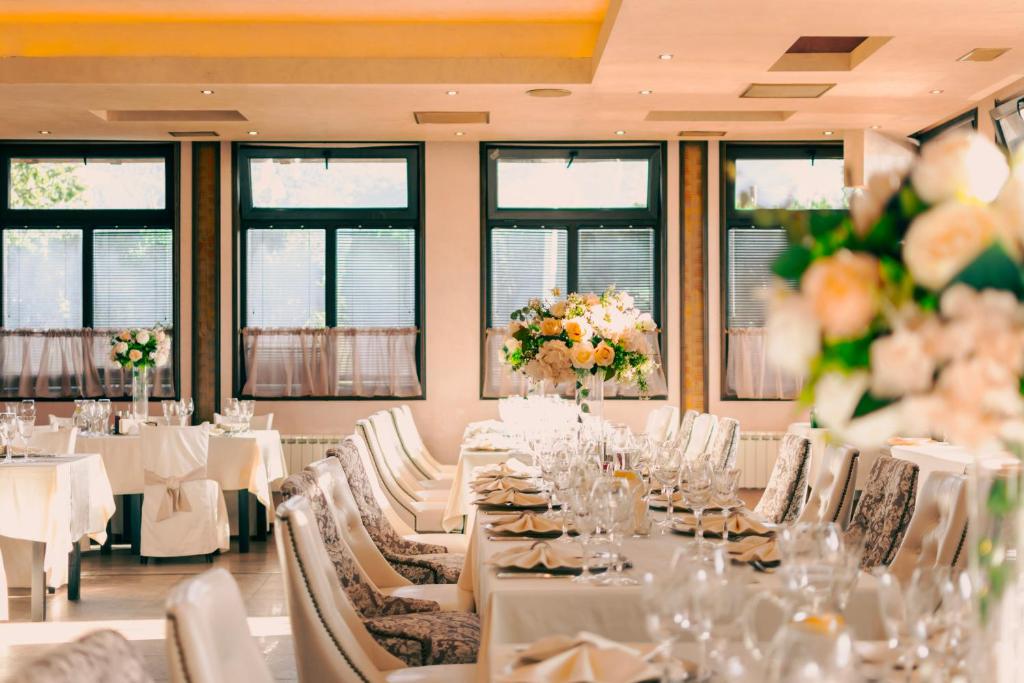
[209, 558]
[243, 521]
[143, 560]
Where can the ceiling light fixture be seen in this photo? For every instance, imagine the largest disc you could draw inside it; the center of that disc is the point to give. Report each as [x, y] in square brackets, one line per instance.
[460, 133]
[935, 92]
[452, 93]
[206, 92]
[665, 56]
[44, 132]
[876, 127]
[620, 132]
[254, 132]
[646, 92]
[826, 132]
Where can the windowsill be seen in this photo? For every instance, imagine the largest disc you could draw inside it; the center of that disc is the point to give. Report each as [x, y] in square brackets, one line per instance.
[316, 399]
[658, 397]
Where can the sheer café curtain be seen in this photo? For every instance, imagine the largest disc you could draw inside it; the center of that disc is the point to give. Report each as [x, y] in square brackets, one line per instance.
[69, 363]
[338, 361]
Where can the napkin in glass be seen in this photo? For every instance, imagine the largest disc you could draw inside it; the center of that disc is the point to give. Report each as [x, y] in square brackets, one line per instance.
[754, 549]
[527, 523]
[538, 556]
[505, 484]
[513, 498]
[736, 525]
[584, 658]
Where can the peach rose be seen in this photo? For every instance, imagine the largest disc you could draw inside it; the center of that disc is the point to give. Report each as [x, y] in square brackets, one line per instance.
[551, 327]
[135, 355]
[577, 330]
[558, 309]
[554, 360]
[943, 241]
[842, 290]
[582, 355]
[900, 365]
[604, 355]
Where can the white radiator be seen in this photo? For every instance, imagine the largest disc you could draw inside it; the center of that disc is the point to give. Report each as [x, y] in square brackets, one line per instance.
[300, 450]
[756, 457]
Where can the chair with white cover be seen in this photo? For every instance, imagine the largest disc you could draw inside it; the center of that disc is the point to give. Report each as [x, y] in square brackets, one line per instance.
[389, 529]
[208, 639]
[256, 422]
[724, 445]
[54, 441]
[662, 423]
[402, 467]
[183, 512]
[938, 529]
[425, 577]
[3, 590]
[884, 511]
[414, 445]
[701, 435]
[784, 496]
[97, 657]
[831, 498]
[421, 515]
[333, 643]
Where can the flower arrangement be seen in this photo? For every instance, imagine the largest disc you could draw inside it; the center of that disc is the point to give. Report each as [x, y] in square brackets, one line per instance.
[908, 314]
[140, 348]
[582, 334]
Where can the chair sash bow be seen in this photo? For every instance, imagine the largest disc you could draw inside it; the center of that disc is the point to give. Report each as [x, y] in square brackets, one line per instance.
[174, 498]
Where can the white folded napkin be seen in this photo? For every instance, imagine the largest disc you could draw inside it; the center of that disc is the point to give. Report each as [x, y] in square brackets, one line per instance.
[526, 523]
[504, 484]
[737, 525]
[512, 498]
[539, 555]
[584, 658]
[754, 548]
[512, 467]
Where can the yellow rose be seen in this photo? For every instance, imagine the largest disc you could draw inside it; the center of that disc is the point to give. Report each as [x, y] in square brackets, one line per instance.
[842, 289]
[550, 327]
[577, 330]
[582, 355]
[604, 355]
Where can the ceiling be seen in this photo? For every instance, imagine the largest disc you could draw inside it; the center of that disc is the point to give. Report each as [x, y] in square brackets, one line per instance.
[346, 70]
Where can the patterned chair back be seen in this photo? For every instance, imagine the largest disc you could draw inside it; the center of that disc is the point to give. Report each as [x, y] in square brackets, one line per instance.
[786, 491]
[884, 511]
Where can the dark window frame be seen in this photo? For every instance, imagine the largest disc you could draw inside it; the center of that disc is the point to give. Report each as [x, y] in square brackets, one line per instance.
[246, 217]
[654, 216]
[731, 217]
[932, 132]
[90, 220]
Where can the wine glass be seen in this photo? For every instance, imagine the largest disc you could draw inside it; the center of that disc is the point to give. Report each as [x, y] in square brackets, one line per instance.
[188, 407]
[665, 470]
[657, 597]
[8, 426]
[812, 554]
[104, 409]
[246, 409]
[697, 489]
[614, 502]
[26, 413]
[585, 522]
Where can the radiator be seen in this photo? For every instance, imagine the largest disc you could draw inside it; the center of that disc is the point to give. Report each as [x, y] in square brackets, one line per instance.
[300, 450]
[756, 457]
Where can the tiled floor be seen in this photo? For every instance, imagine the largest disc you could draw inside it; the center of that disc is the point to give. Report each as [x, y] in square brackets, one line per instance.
[119, 593]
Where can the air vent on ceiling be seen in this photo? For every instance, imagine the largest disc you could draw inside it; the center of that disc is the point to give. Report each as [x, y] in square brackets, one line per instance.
[743, 115]
[828, 53]
[830, 44]
[701, 133]
[449, 117]
[984, 54]
[193, 134]
[176, 115]
[787, 90]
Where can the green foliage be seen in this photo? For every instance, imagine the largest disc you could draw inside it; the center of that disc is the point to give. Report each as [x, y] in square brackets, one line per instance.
[33, 188]
[993, 269]
[792, 263]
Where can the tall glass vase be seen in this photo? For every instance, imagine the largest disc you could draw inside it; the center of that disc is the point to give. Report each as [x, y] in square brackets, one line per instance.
[590, 407]
[996, 538]
[140, 393]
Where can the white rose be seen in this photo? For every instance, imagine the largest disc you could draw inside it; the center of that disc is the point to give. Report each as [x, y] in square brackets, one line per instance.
[793, 333]
[142, 336]
[959, 166]
[558, 309]
[646, 323]
[942, 241]
[900, 365]
[555, 361]
[836, 398]
[160, 335]
[626, 300]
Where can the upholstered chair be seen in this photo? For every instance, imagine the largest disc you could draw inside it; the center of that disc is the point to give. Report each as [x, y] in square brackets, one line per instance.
[723, 449]
[405, 471]
[334, 643]
[56, 440]
[831, 498]
[414, 447]
[97, 657]
[784, 496]
[884, 511]
[702, 435]
[662, 423]
[682, 437]
[208, 639]
[938, 530]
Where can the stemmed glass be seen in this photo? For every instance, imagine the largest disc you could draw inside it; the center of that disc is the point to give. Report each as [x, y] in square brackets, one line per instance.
[562, 480]
[697, 489]
[697, 586]
[104, 408]
[812, 555]
[665, 468]
[8, 426]
[246, 410]
[614, 502]
[26, 419]
[186, 409]
[585, 522]
[659, 616]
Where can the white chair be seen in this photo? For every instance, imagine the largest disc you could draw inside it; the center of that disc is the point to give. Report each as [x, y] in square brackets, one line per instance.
[256, 422]
[938, 528]
[422, 516]
[97, 657]
[183, 512]
[414, 446]
[662, 423]
[401, 466]
[331, 641]
[831, 498]
[3, 590]
[208, 639]
[701, 434]
[54, 441]
[333, 483]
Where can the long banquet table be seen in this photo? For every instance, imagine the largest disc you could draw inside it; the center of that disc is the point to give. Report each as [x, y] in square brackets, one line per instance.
[458, 512]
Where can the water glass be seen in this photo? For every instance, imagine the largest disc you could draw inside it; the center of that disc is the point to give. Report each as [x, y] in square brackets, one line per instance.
[697, 489]
[8, 428]
[585, 522]
[665, 470]
[104, 409]
[186, 408]
[726, 488]
[614, 503]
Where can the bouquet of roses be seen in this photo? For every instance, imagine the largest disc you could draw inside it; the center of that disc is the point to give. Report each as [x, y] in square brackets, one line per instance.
[140, 348]
[567, 339]
[908, 315]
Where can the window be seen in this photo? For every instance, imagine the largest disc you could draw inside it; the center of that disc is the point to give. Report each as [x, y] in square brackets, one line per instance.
[572, 218]
[789, 178]
[88, 249]
[330, 257]
[966, 122]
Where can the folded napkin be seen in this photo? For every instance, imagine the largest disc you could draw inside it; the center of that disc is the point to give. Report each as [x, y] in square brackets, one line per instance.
[510, 468]
[483, 427]
[504, 484]
[17, 451]
[527, 523]
[512, 497]
[736, 525]
[754, 549]
[540, 555]
[584, 658]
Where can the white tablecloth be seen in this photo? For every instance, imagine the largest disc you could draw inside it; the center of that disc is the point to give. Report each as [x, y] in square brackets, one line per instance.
[934, 456]
[55, 501]
[460, 495]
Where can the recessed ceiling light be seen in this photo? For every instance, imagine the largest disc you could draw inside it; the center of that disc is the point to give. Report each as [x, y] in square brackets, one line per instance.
[206, 92]
[935, 92]
[620, 132]
[459, 133]
[452, 93]
[665, 56]
[646, 92]
[826, 132]
[44, 132]
[254, 132]
[876, 127]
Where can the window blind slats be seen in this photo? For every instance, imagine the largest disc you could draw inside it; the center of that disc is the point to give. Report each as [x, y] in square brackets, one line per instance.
[133, 279]
[525, 264]
[621, 257]
[376, 283]
[42, 279]
[285, 278]
[751, 254]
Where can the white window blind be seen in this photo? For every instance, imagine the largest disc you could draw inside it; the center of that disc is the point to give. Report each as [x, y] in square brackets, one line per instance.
[751, 254]
[621, 257]
[133, 278]
[285, 278]
[42, 279]
[525, 264]
[376, 283]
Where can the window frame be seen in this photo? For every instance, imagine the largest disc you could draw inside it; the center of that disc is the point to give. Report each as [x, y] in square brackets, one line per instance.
[931, 132]
[246, 217]
[731, 217]
[653, 216]
[91, 220]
